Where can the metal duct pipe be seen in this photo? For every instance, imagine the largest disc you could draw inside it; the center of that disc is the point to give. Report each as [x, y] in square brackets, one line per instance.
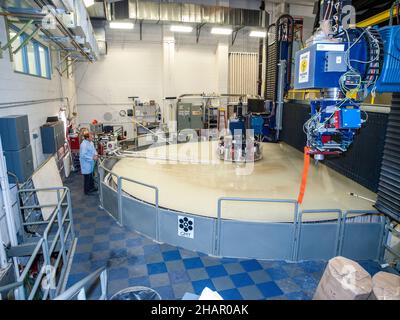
[184, 13]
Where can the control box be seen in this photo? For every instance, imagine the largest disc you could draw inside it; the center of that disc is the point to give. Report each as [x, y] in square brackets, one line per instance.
[321, 65]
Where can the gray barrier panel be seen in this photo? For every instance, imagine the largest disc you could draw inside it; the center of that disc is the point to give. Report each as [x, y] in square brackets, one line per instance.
[139, 216]
[362, 241]
[110, 201]
[318, 241]
[204, 228]
[256, 240]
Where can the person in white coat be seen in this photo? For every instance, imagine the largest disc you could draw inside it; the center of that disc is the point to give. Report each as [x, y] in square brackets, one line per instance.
[87, 158]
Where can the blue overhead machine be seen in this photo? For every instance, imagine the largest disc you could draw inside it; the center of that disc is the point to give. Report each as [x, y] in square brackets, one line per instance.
[346, 64]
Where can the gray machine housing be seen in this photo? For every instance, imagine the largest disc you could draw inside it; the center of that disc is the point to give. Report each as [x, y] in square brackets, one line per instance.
[189, 116]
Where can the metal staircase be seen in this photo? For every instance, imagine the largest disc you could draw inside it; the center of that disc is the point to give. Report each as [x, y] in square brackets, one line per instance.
[42, 259]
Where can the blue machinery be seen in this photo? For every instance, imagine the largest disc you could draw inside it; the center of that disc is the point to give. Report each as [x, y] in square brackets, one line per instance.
[347, 65]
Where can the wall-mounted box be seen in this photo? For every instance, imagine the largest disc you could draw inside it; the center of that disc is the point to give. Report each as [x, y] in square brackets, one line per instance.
[53, 137]
[14, 131]
[20, 163]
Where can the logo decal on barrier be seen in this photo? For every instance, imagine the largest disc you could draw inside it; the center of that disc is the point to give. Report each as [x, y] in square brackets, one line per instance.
[185, 227]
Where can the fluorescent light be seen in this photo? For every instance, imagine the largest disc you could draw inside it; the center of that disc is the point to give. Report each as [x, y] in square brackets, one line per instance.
[88, 3]
[121, 25]
[224, 31]
[181, 29]
[258, 34]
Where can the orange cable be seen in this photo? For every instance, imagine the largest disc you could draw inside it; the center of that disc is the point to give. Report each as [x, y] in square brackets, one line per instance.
[305, 174]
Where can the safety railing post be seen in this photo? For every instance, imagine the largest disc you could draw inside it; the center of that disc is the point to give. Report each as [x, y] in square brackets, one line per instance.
[217, 233]
[296, 232]
[157, 215]
[119, 195]
[104, 285]
[101, 173]
[61, 227]
[70, 216]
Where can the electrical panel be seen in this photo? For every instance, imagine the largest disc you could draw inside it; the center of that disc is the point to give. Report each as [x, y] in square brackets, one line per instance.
[20, 163]
[15, 136]
[53, 137]
[14, 131]
[190, 116]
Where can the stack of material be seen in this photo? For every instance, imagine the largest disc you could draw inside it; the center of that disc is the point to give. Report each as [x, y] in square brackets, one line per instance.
[344, 279]
[386, 286]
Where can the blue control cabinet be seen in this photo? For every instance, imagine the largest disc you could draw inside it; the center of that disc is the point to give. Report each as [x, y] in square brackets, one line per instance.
[14, 131]
[15, 136]
[53, 137]
[321, 65]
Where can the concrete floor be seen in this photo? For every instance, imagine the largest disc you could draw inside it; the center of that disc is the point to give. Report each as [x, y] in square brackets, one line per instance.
[194, 183]
[134, 260]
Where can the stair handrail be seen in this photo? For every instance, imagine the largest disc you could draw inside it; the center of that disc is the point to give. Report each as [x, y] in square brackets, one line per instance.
[78, 289]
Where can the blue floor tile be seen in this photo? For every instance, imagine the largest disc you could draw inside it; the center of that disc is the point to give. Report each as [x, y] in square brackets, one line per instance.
[134, 242]
[171, 255]
[139, 281]
[297, 296]
[81, 257]
[269, 289]
[118, 274]
[154, 268]
[178, 276]
[166, 292]
[199, 285]
[100, 246]
[231, 294]
[241, 280]
[216, 271]
[192, 263]
[251, 265]
[277, 273]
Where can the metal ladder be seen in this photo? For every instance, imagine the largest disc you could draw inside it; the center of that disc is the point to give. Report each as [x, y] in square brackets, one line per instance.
[222, 119]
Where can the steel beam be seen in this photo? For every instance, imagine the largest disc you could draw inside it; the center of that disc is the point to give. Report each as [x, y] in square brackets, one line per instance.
[376, 19]
[24, 43]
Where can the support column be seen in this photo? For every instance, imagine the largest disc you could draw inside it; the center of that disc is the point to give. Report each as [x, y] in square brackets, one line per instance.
[222, 56]
[169, 89]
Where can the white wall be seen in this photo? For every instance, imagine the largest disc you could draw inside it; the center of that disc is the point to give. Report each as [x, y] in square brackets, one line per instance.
[16, 87]
[162, 64]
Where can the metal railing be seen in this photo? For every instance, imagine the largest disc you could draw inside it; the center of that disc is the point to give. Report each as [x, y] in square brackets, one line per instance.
[53, 250]
[217, 235]
[156, 198]
[342, 216]
[78, 290]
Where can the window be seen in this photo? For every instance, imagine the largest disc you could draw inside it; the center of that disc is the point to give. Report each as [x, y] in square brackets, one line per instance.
[33, 58]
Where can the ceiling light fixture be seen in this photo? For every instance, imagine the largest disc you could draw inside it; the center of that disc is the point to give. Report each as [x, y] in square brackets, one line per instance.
[258, 34]
[223, 31]
[88, 3]
[186, 29]
[121, 25]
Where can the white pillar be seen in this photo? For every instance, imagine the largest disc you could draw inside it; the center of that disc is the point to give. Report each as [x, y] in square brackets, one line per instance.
[222, 56]
[169, 89]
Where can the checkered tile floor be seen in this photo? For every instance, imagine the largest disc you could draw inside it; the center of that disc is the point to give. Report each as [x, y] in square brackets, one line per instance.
[134, 260]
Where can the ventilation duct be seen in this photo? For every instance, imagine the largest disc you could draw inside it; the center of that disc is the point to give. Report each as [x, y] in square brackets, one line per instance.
[148, 11]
